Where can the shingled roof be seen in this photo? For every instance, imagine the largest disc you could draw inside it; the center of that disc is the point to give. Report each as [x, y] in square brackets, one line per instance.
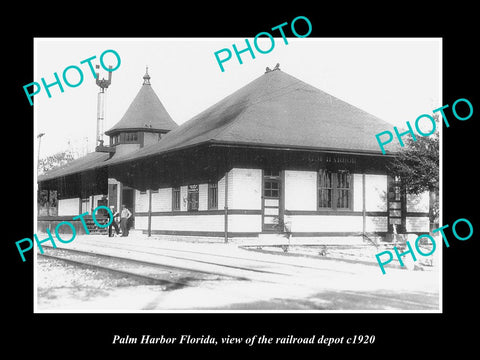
[145, 111]
[276, 110]
[88, 162]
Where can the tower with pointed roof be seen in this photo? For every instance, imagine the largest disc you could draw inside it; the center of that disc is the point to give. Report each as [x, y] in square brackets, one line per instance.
[145, 121]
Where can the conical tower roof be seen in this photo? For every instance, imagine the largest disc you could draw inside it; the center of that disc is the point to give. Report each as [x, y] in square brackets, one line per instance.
[145, 112]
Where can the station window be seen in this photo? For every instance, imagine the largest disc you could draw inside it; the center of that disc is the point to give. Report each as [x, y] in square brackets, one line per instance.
[271, 189]
[176, 198]
[271, 173]
[334, 189]
[325, 189]
[192, 197]
[213, 195]
[343, 190]
[85, 202]
[271, 183]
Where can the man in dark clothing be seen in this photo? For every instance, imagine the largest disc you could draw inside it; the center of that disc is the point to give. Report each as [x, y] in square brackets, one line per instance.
[114, 223]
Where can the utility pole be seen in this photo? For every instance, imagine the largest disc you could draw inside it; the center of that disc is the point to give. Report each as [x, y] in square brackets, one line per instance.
[39, 137]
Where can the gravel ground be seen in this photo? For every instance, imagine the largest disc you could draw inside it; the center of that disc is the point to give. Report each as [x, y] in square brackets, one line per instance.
[60, 283]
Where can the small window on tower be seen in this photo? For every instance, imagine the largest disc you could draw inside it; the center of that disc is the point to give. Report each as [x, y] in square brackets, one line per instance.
[131, 137]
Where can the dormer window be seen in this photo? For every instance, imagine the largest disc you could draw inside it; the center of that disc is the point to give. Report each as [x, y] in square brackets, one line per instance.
[131, 137]
[116, 139]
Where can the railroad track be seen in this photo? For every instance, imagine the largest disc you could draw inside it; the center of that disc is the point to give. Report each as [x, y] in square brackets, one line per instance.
[170, 277]
[251, 265]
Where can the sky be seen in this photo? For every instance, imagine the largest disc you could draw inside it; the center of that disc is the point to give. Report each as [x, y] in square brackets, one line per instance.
[395, 79]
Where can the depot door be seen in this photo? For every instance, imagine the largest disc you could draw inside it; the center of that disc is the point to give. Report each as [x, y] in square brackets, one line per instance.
[128, 201]
[272, 214]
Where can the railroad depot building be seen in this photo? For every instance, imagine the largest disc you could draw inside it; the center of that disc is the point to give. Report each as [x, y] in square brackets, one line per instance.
[278, 155]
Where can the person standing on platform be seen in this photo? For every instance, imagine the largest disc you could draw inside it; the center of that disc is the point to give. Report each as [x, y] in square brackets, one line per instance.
[125, 214]
[114, 222]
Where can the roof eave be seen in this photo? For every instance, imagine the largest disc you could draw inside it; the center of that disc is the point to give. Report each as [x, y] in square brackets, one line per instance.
[217, 143]
[41, 178]
[144, 129]
[302, 148]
